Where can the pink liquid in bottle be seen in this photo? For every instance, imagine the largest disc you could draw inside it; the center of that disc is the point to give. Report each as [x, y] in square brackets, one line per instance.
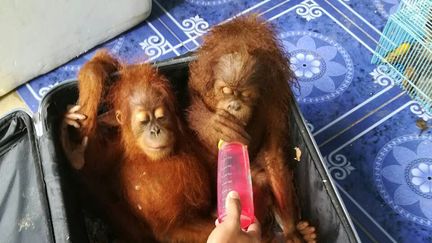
[234, 175]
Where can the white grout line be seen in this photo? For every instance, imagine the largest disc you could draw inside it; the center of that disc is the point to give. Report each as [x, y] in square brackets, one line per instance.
[366, 213]
[349, 31]
[173, 19]
[359, 16]
[32, 91]
[172, 32]
[187, 41]
[162, 36]
[354, 109]
[254, 7]
[351, 21]
[251, 8]
[272, 8]
[373, 126]
[282, 13]
[364, 230]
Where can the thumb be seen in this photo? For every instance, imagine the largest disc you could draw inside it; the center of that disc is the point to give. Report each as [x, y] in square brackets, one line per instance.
[233, 208]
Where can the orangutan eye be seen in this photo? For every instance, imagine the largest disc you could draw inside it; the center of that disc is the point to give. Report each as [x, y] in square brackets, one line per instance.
[142, 116]
[159, 113]
[227, 90]
[246, 93]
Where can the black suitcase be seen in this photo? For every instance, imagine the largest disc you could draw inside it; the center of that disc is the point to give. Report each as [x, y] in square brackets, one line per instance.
[38, 201]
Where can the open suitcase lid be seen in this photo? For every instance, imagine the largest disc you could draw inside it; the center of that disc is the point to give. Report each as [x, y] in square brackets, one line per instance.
[35, 184]
[32, 186]
[24, 211]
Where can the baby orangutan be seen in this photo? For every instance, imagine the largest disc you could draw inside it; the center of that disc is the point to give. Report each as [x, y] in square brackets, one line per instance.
[165, 186]
[240, 92]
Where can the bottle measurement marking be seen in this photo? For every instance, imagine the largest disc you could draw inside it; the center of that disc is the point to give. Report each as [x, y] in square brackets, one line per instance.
[227, 182]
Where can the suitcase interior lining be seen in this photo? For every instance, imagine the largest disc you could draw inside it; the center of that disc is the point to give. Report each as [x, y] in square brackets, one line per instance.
[24, 214]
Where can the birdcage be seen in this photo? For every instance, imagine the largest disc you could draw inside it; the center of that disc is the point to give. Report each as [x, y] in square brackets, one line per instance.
[406, 47]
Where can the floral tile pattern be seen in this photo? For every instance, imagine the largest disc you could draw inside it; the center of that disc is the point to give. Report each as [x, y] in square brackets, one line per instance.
[366, 127]
[409, 181]
[316, 67]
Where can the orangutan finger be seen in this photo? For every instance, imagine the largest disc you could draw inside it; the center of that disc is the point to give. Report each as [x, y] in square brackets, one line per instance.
[310, 237]
[234, 127]
[302, 225]
[73, 108]
[229, 116]
[230, 137]
[76, 116]
[308, 230]
[229, 133]
[72, 123]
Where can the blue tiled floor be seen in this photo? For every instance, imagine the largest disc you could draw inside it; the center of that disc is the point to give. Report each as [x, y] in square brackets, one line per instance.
[364, 125]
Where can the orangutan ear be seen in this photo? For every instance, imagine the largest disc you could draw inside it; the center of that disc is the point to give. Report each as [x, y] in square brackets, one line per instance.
[108, 118]
[119, 117]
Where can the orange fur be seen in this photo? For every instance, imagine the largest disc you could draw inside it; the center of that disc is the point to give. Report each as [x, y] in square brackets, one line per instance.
[171, 194]
[98, 179]
[269, 147]
[95, 79]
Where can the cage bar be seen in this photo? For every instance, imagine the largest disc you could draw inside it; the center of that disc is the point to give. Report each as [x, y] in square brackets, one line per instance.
[406, 48]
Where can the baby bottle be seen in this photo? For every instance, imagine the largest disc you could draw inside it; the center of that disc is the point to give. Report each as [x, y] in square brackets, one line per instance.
[234, 175]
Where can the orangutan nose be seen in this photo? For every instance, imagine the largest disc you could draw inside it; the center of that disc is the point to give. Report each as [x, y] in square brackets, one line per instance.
[155, 130]
[234, 105]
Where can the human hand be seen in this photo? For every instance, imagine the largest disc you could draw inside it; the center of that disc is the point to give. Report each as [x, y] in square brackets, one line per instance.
[229, 231]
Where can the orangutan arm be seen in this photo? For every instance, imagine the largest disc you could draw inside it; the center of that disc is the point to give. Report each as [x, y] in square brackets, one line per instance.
[93, 87]
[94, 82]
[281, 183]
[196, 231]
